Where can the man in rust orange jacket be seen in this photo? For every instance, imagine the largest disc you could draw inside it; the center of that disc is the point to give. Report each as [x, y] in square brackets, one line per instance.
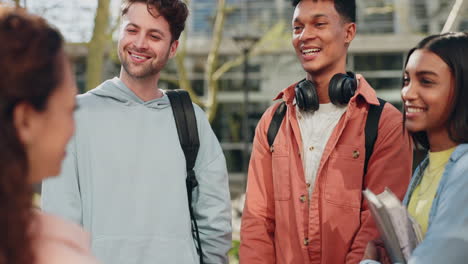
[304, 199]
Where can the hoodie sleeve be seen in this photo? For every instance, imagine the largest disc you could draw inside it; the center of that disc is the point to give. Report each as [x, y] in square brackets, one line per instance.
[61, 195]
[211, 199]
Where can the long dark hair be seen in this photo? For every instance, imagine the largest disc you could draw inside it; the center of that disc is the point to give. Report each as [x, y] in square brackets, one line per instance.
[452, 48]
[29, 72]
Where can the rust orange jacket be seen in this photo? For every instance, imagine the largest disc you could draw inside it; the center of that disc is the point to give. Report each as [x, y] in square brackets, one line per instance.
[280, 225]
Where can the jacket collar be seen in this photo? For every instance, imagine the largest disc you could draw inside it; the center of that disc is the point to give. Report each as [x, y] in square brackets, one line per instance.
[364, 90]
[460, 150]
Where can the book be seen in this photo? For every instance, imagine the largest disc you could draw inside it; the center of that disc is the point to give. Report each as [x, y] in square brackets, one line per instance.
[399, 231]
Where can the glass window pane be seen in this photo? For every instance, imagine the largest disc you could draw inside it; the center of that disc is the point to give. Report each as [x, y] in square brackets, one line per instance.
[384, 83]
[375, 62]
[234, 160]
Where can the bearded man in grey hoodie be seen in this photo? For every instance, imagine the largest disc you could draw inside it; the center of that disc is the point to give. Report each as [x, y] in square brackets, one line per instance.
[124, 176]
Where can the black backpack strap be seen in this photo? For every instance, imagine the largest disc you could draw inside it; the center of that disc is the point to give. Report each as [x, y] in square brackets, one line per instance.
[275, 123]
[371, 130]
[186, 124]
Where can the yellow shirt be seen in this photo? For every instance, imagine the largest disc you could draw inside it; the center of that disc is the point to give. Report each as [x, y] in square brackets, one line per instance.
[421, 199]
[37, 200]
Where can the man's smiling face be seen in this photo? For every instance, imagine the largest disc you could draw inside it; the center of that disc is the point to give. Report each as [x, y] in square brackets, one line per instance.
[145, 42]
[320, 36]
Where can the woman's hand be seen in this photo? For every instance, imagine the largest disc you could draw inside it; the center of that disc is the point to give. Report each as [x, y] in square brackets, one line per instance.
[371, 252]
[375, 250]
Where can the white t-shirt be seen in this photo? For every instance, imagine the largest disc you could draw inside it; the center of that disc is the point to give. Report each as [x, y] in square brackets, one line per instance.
[316, 128]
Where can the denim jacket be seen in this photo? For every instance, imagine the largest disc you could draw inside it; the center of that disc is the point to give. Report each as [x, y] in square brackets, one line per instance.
[446, 239]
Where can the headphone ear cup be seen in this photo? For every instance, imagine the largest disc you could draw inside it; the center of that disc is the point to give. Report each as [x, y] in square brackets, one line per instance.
[306, 96]
[341, 88]
[299, 97]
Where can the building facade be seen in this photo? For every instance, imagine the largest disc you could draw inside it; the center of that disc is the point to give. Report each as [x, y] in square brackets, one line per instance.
[387, 29]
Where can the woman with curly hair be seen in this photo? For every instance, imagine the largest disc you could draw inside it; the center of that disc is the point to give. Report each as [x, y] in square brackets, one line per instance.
[37, 102]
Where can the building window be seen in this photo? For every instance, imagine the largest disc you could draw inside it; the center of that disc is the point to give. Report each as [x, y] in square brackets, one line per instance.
[384, 83]
[374, 62]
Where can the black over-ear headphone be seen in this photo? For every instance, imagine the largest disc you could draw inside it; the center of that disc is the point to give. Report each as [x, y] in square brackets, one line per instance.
[340, 90]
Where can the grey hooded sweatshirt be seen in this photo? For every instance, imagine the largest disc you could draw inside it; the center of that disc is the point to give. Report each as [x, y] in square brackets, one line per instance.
[124, 176]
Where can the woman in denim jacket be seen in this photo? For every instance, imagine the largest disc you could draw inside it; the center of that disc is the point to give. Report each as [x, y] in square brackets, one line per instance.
[435, 96]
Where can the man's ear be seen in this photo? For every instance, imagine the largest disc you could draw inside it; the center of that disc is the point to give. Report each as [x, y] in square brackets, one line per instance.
[24, 120]
[350, 29]
[173, 48]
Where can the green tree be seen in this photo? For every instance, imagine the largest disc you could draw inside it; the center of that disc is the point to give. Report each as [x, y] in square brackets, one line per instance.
[270, 41]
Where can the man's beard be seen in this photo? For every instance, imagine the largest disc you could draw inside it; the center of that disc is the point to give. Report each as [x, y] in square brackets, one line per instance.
[143, 71]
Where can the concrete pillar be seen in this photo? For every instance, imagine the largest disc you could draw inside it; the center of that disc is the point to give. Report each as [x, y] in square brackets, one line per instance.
[433, 13]
[280, 6]
[402, 17]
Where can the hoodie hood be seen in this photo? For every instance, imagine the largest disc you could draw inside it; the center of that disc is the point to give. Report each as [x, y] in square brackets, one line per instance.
[116, 90]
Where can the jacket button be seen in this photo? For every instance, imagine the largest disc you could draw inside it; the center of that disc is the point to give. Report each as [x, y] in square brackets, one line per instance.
[308, 185]
[355, 154]
[306, 241]
[311, 148]
[303, 198]
[272, 149]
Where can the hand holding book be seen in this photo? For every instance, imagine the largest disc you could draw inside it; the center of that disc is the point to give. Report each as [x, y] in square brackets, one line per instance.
[399, 232]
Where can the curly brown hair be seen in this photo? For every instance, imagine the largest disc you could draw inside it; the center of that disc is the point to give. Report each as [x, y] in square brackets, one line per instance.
[174, 11]
[30, 71]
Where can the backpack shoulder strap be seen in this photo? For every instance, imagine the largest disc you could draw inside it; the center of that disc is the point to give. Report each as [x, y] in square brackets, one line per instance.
[275, 123]
[186, 123]
[371, 130]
